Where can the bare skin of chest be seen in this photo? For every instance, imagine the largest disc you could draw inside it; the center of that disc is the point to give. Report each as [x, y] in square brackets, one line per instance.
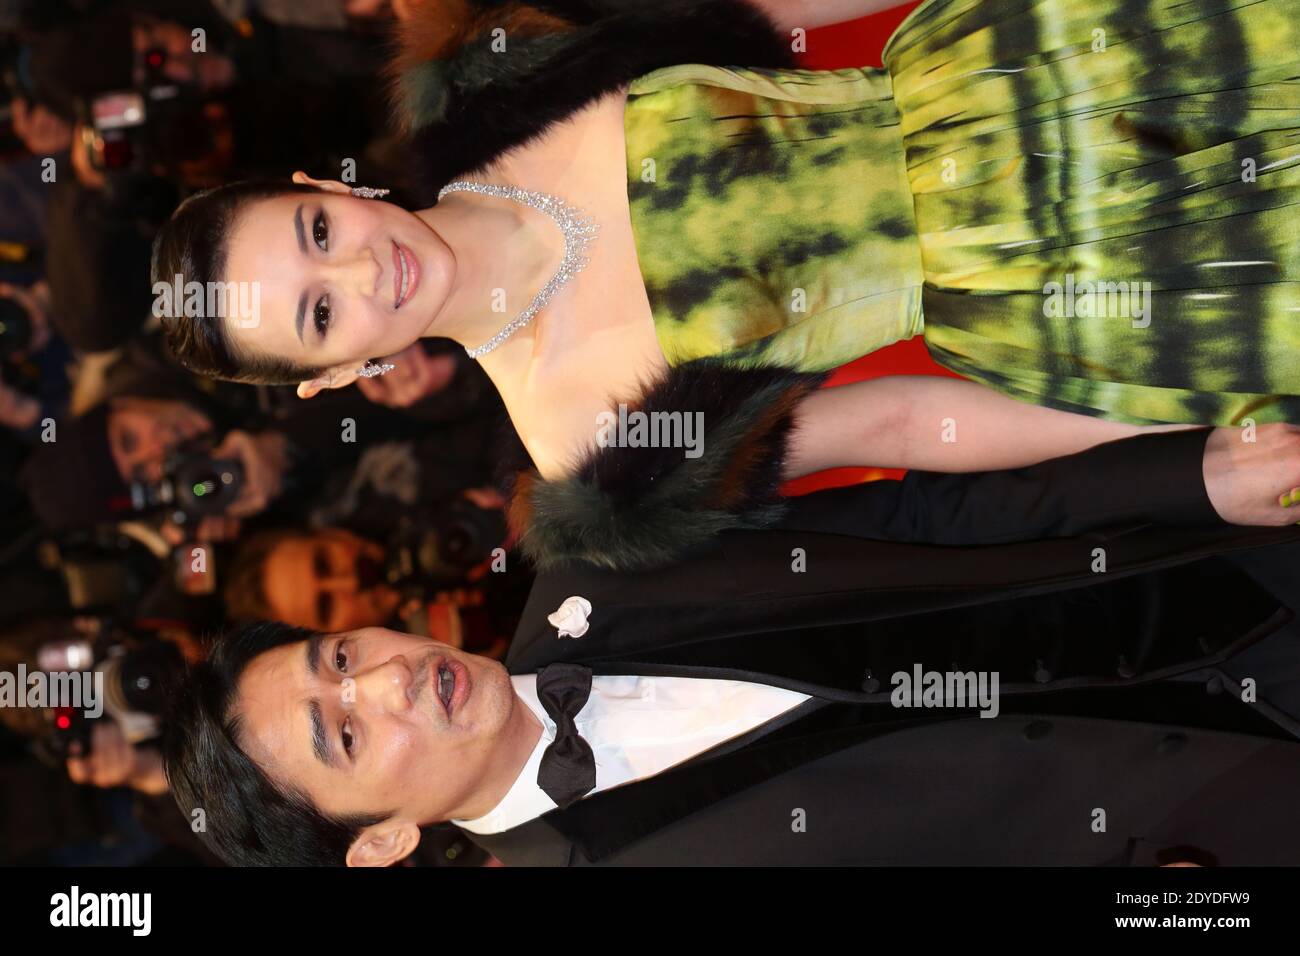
[594, 344]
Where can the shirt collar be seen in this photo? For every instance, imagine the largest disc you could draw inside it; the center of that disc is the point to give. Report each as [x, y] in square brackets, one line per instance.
[525, 800]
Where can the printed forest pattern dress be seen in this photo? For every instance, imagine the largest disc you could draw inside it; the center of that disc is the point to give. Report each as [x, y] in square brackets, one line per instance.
[1092, 205]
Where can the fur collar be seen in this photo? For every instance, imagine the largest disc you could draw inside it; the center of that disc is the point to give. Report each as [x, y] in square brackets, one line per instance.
[462, 103]
[629, 508]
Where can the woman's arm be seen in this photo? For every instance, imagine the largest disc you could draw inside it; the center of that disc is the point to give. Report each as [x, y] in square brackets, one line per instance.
[937, 424]
[810, 14]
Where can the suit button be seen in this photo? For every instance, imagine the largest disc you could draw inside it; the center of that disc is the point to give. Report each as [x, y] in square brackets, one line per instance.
[1041, 674]
[870, 685]
[1124, 669]
[1171, 744]
[1214, 686]
[1037, 729]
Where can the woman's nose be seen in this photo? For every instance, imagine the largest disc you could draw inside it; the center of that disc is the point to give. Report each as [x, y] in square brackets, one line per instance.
[359, 274]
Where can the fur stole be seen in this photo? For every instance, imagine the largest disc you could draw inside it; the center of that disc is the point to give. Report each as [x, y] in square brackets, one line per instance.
[463, 103]
[626, 507]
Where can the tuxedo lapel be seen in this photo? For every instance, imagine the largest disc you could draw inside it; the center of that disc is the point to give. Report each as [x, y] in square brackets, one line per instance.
[627, 813]
[599, 828]
[1113, 632]
[602, 824]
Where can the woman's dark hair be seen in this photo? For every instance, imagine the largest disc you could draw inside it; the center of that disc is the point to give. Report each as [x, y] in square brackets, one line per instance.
[248, 818]
[194, 244]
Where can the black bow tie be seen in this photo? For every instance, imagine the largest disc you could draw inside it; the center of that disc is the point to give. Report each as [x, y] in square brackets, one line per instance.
[568, 770]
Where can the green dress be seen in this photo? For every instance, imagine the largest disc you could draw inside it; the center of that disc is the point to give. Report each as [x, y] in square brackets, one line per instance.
[1092, 205]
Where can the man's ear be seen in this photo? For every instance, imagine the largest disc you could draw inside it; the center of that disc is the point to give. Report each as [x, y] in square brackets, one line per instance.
[384, 844]
[329, 185]
[333, 378]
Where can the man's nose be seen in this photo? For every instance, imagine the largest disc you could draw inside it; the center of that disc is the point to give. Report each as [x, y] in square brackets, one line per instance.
[340, 582]
[150, 460]
[385, 687]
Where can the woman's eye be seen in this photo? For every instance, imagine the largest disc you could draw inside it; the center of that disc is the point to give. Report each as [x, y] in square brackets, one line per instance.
[346, 735]
[321, 315]
[341, 659]
[320, 232]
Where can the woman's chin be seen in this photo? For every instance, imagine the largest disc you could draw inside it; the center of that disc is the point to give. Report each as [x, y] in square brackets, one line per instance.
[426, 305]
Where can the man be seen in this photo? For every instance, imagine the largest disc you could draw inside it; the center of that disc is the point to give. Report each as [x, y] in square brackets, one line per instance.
[332, 579]
[84, 475]
[326, 580]
[736, 707]
[145, 406]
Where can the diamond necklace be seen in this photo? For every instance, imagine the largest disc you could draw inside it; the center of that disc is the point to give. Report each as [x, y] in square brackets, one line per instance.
[579, 230]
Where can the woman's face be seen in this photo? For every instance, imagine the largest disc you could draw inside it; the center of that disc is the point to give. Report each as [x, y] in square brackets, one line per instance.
[340, 280]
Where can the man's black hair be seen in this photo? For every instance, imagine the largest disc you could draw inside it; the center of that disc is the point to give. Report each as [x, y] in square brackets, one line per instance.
[247, 818]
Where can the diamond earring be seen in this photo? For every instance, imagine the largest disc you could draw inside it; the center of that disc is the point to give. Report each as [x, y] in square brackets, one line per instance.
[371, 369]
[367, 192]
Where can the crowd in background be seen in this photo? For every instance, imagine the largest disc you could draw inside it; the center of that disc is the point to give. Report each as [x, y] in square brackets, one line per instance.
[145, 509]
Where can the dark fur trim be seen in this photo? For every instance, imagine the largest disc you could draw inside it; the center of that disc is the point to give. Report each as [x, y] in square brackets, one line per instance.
[464, 105]
[629, 508]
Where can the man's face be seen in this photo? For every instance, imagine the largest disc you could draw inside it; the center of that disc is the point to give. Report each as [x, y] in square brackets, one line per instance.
[328, 581]
[142, 430]
[355, 721]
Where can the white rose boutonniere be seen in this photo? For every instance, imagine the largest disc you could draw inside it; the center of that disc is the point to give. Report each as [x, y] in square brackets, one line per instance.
[571, 617]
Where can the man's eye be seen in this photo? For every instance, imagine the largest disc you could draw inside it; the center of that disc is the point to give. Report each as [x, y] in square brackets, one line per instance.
[346, 735]
[321, 315]
[320, 232]
[341, 659]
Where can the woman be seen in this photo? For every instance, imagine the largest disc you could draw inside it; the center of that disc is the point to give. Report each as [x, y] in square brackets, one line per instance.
[705, 241]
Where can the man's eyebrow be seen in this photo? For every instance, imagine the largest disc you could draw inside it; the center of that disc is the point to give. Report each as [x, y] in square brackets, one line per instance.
[320, 744]
[302, 247]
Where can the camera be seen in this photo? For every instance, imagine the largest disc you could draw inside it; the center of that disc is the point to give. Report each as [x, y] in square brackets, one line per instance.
[136, 672]
[148, 142]
[434, 551]
[193, 485]
[136, 130]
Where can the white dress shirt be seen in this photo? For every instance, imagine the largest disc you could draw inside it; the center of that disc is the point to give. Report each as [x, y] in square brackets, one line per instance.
[637, 727]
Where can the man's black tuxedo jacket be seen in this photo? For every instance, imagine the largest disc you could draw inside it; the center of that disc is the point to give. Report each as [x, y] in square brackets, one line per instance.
[1099, 584]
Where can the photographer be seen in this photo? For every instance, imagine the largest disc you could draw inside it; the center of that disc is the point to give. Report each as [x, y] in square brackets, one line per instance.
[175, 99]
[119, 811]
[144, 410]
[86, 475]
[34, 383]
[435, 577]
